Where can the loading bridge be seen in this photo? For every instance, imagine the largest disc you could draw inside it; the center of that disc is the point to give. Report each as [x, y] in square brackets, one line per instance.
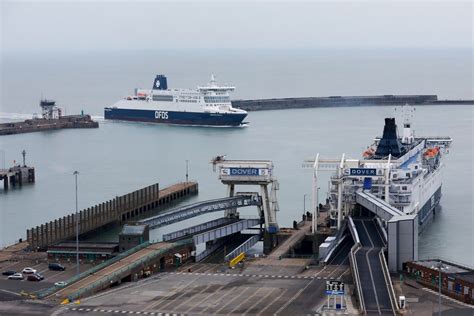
[375, 290]
[200, 208]
[377, 206]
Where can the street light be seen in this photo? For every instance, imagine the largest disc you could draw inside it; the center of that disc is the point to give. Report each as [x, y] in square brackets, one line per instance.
[304, 204]
[77, 227]
[187, 171]
[440, 283]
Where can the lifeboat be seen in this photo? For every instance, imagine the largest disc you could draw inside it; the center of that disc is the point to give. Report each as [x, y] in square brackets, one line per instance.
[368, 153]
[431, 152]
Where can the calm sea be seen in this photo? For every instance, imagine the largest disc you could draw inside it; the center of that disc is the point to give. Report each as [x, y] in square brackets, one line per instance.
[120, 157]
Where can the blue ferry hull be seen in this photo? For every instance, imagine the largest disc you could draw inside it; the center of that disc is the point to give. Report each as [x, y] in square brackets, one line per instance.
[174, 117]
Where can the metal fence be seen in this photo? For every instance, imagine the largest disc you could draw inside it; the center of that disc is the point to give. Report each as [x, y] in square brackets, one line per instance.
[125, 271]
[249, 243]
[53, 289]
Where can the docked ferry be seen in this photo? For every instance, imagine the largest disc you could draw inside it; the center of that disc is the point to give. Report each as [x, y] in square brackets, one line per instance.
[400, 174]
[208, 105]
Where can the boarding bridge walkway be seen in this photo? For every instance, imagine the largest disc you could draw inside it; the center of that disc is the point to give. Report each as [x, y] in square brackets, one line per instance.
[200, 208]
[377, 206]
[372, 278]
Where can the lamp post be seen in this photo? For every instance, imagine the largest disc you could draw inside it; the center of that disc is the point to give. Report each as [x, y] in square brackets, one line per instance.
[77, 227]
[304, 204]
[187, 171]
[440, 283]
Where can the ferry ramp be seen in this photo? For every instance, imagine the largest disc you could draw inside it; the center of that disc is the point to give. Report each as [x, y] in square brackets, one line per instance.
[340, 255]
[371, 276]
[115, 272]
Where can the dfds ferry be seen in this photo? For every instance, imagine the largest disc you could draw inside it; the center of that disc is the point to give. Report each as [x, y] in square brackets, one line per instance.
[206, 106]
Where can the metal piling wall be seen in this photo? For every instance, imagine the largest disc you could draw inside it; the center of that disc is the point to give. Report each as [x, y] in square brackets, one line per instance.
[120, 209]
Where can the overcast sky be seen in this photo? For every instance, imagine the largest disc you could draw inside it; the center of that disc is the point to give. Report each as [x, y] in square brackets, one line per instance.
[102, 25]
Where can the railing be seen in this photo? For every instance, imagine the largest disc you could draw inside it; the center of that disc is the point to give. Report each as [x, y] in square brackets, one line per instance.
[384, 233]
[355, 273]
[249, 243]
[353, 230]
[196, 209]
[197, 228]
[74, 279]
[210, 249]
[123, 272]
[388, 282]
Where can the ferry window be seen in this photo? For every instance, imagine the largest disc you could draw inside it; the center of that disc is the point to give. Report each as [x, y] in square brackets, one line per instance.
[404, 188]
[395, 176]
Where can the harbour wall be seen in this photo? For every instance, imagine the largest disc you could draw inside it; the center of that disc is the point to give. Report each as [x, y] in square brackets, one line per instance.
[118, 210]
[332, 101]
[37, 125]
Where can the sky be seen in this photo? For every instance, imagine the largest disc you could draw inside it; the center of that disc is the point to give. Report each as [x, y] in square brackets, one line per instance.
[35, 26]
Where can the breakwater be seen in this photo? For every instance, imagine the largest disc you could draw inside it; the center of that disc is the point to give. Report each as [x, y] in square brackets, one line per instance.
[38, 125]
[121, 209]
[332, 101]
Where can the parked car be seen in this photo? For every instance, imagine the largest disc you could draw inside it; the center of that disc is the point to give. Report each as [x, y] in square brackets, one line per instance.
[39, 275]
[56, 266]
[16, 276]
[60, 284]
[8, 272]
[28, 271]
[33, 277]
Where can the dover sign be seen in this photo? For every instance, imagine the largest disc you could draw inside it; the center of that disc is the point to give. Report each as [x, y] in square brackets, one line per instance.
[245, 172]
[367, 172]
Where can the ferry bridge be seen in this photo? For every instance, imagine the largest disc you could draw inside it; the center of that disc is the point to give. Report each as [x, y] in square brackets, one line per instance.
[216, 233]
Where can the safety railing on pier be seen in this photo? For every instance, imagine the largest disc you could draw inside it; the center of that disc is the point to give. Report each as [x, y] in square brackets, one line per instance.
[355, 274]
[119, 274]
[388, 282]
[249, 243]
[200, 208]
[74, 279]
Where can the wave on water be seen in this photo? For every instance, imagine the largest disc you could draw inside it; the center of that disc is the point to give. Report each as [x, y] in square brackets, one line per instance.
[23, 116]
[97, 118]
[15, 116]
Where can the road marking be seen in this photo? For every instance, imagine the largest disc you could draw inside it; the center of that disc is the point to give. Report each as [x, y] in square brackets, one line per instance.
[233, 299]
[447, 297]
[211, 294]
[243, 301]
[294, 297]
[372, 277]
[259, 301]
[184, 291]
[193, 296]
[218, 300]
[273, 301]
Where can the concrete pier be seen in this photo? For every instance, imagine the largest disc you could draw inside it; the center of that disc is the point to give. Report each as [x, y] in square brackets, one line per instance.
[37, 125]
[119, 210]
[17, 175]
[332, 101]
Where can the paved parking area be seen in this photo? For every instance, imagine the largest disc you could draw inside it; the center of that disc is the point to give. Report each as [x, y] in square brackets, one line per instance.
[11, 287]
[210, 289]
[209, 293]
